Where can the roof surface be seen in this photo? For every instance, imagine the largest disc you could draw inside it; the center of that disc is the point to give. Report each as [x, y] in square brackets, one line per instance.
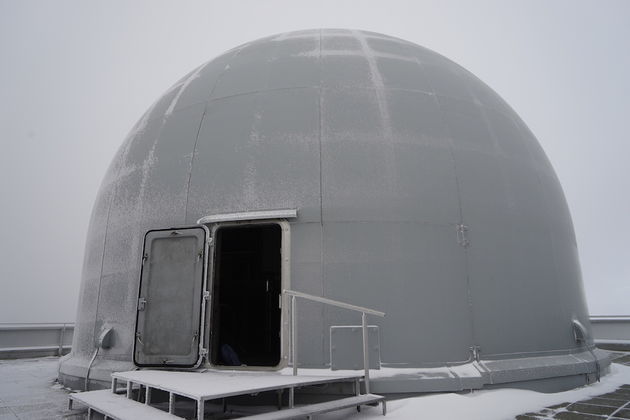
[28, 391]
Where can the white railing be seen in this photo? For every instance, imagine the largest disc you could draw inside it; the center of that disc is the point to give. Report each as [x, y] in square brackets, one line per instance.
[364, 312]
[19, 340]
[611, 331]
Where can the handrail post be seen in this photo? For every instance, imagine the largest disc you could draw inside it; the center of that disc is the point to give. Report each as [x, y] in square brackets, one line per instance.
[294, 346]
[293, 349]
[61, 338]
[366, 356]
[294, 334]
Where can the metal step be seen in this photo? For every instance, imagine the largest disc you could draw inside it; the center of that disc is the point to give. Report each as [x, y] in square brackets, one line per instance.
[118, 407]
[215, 385]
[319, 408]
[212, 385]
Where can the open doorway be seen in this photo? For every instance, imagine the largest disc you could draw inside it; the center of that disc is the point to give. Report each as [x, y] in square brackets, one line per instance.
[246, 316]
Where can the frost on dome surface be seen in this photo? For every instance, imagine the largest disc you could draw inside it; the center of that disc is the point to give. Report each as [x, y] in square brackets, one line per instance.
[419, 192]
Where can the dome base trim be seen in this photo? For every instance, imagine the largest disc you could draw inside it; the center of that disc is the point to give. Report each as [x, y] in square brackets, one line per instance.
[73, 369]
[542, 374]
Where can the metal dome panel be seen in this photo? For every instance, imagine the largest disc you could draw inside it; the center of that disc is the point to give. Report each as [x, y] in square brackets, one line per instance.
[419, 192]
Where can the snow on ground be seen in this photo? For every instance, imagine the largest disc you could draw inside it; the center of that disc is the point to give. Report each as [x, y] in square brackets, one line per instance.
[26, 391]
[496, 404]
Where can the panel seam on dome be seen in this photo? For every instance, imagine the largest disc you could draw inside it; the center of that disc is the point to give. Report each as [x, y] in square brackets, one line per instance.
[379, 85]
[257, 91]
[459, 205]
[183, 87]
[203, 117]
[123, 155]
[321, 197]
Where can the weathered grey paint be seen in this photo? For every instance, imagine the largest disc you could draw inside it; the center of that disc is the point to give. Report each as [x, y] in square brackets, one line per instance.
[346, 344]
[419, 191]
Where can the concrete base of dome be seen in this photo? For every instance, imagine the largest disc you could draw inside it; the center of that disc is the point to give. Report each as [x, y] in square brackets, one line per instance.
[542, 373]
[73, 369]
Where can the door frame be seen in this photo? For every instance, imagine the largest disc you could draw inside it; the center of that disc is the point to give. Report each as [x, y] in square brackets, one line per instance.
[285, 283]
[202, 350]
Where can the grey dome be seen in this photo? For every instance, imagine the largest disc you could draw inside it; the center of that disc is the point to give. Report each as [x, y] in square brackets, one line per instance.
[419, 191]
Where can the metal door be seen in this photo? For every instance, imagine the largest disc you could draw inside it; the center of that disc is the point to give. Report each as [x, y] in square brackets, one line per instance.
[171, 301]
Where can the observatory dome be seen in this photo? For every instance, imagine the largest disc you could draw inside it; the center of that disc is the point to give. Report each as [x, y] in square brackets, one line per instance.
[395, 179]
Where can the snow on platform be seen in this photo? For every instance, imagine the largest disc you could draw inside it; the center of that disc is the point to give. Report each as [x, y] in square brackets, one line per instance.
[219, 384]
[27, 391]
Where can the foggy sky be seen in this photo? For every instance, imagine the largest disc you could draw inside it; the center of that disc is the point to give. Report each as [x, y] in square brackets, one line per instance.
[75, 76]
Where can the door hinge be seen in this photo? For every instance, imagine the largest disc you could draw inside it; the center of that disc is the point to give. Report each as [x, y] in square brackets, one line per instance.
[203, 352]
[462, 235]
[475, 352]
[206, 295]
[142, 302]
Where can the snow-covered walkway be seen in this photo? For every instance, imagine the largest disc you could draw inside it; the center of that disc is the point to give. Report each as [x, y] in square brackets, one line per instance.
[501, 404]
[28, 391]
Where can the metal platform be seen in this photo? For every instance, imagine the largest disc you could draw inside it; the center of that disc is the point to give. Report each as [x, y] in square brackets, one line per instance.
[214, 384]
[118, 403]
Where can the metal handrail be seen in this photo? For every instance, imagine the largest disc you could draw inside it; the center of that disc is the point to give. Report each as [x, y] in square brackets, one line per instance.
[333, 302]
[609, 318]
[6, 326]
[364, 312]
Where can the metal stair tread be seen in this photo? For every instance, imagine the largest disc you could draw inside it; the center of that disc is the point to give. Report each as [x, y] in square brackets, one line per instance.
[119, 407]
[319, 408]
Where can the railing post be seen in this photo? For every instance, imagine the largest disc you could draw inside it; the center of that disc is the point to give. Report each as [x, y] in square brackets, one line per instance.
[171, 403]
[294, 332]
[366, 356]
[294, 361]
[294, 336]
[61, 337]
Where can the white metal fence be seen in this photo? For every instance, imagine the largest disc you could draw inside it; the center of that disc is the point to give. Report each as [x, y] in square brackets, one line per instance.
[611, 331]
[292, 294]
[35, 340]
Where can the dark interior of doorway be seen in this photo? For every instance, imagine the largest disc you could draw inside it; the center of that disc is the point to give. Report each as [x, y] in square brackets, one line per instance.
[245, 321]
